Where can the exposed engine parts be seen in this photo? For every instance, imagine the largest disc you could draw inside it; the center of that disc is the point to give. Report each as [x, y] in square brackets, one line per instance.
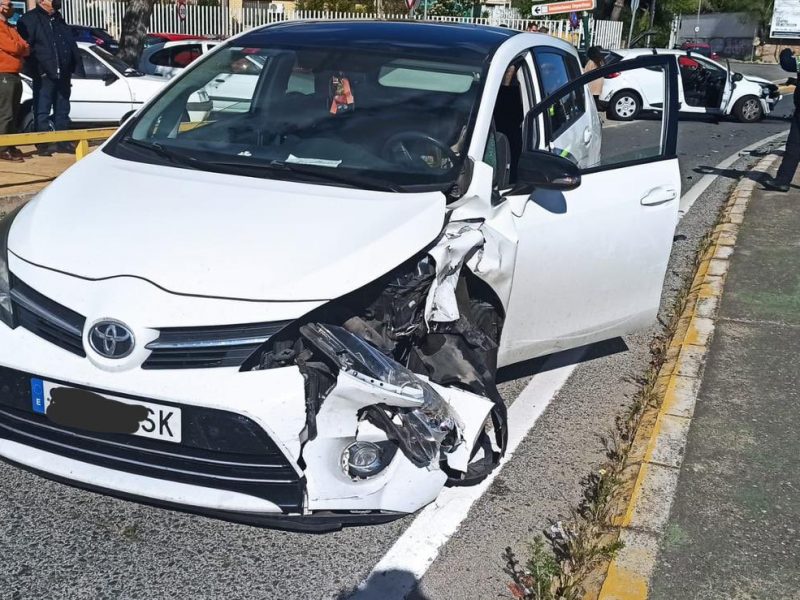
[390, 345]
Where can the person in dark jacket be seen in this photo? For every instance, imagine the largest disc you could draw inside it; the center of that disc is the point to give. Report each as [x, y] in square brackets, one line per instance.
[791, 158]
[53, 59]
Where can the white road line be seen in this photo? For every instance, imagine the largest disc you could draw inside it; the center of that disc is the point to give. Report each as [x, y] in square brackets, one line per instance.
[690, 197]
[403, 566]
[413, 553]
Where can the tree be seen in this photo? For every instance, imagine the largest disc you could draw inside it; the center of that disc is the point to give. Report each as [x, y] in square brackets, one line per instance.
[448, 8]
[135, 24]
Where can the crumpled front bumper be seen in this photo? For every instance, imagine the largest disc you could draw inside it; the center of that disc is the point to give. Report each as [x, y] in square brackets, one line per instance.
[323, 496]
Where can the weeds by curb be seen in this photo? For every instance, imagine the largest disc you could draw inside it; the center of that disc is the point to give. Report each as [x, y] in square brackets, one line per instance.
[575, 555]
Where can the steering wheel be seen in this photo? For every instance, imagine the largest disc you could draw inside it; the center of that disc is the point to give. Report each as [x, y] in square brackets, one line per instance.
[396, 149]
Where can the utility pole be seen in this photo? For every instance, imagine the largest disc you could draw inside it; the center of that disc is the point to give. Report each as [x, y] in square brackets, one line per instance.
[652, 19]
[697, 23]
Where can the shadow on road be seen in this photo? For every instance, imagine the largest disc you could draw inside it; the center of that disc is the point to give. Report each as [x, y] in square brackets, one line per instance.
[385, 585]
[737, 174]
[561, 359]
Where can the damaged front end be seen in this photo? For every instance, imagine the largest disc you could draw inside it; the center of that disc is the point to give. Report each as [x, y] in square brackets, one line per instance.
[399, 383]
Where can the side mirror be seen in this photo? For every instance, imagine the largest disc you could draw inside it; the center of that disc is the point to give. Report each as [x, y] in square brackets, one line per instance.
[544, 170]
[737, 77]
[109, 79]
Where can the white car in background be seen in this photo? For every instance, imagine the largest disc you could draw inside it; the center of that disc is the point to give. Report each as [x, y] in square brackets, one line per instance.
[229, 91]
[704, 87]
[109, 92]
[171, 58]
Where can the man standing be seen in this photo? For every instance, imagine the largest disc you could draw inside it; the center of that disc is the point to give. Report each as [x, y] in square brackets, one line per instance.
[791, 158]
[53, 59]
[13, 49]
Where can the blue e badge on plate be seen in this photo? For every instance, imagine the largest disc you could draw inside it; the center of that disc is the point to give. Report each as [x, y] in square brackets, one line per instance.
[37, 396]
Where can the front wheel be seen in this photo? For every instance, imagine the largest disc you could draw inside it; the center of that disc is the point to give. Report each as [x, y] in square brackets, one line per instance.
[624, 106]
[748, 109]
[26, 121]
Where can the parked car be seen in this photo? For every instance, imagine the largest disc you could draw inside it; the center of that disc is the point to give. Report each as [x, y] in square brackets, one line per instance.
[705, 87]
[151, 39]
[700, 48]
[95, 35]
[19, 9]
[109, 92]
[170, 58]
[292, 314]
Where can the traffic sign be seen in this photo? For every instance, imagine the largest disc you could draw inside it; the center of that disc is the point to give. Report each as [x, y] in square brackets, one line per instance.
[555, 8]
[180, 6]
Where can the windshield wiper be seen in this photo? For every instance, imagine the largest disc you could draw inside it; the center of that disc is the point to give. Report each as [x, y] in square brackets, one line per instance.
[334, 177]
[173, 157]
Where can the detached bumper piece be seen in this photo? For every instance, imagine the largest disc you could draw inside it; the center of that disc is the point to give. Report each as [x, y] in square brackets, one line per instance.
[220, 449]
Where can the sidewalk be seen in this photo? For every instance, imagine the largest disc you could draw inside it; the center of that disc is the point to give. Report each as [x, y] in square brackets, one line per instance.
[734, 528]
[19, 181]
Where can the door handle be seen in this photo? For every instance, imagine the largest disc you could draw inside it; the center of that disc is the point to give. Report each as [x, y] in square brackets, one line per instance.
[587, 136]
[659, 195]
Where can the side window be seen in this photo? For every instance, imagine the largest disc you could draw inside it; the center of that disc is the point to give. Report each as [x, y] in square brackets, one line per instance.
[162, 58]
[184, 55]
[555, 70]
[505, 142]
[640, 100]
[93, 68]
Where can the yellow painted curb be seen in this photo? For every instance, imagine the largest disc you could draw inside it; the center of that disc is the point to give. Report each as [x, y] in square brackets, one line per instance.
[629, 573]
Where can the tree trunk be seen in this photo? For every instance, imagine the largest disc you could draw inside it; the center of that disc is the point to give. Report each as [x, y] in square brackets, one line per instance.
[135, 24]
[616, 12]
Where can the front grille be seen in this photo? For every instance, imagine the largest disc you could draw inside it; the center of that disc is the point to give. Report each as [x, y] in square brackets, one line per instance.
[48, 319]
[205, 347]
[219, 449]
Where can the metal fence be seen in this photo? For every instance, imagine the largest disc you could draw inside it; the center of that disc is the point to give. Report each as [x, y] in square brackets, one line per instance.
[221, 21]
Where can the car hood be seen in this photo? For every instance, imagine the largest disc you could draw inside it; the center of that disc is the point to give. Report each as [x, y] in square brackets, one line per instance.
[758, 80]
[216, 235]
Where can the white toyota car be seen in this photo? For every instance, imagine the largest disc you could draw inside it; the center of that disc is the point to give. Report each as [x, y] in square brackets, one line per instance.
[292, 313]
[705, 87]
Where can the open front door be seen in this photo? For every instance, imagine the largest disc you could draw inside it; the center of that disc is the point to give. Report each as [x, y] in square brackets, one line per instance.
[730, 84]
[591, 261]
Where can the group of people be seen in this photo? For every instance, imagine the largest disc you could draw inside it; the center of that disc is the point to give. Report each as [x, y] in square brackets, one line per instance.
[41, 46]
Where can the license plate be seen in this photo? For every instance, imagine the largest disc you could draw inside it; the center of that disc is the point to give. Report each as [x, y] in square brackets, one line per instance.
[82, 409]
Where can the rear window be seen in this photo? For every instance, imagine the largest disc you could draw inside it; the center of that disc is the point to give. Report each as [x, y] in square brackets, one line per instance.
[427, 76]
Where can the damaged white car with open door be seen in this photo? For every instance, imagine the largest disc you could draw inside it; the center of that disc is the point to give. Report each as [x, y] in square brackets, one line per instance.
[704, 87]
[292, 314]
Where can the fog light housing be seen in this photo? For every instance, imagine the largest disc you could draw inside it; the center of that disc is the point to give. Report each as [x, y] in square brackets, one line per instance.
[361, 460]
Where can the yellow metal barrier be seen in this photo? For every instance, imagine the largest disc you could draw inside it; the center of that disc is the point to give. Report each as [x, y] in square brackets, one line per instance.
[81, 136]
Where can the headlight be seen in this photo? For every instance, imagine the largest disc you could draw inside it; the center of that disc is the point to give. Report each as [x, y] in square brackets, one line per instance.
[419, 419]
[6, 313]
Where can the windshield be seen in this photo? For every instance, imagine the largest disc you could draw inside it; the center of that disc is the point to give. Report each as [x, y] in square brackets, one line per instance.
[331, 115]
[115, 62]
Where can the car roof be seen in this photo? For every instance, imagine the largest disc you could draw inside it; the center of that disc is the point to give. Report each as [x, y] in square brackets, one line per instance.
[445, 39]
[649, 51]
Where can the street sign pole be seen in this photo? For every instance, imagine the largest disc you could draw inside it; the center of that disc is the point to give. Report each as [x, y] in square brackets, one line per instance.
[634, 8]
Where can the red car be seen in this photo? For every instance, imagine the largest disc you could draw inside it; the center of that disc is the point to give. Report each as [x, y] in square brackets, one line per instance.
[700, 48]
[159, 38]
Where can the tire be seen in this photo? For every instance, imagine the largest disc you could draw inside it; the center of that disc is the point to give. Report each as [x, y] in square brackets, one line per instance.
[624, 106]
[25, 123]
[748, 110]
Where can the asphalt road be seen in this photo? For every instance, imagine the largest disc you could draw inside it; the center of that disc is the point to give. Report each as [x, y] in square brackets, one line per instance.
[59, 542]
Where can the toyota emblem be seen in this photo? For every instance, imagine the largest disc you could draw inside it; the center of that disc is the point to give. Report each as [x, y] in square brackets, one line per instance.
[111, 339]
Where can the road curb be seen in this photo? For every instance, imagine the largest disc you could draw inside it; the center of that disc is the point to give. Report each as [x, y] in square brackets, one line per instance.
[659, 446]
